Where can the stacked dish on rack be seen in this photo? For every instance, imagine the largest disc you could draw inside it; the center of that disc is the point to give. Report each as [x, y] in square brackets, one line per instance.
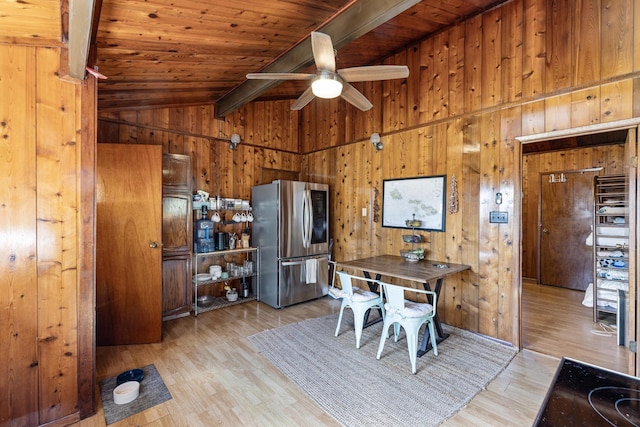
[413, 254]
[215, 271]
[204, 277]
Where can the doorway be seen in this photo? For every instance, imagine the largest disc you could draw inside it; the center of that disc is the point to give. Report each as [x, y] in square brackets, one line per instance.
[560, 334]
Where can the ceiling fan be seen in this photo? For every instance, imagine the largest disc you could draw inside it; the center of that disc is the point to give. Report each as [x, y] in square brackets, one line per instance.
[327, 82]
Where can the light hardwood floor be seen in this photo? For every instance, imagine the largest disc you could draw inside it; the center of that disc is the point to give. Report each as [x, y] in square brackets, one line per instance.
[556, 323]
[216, 377]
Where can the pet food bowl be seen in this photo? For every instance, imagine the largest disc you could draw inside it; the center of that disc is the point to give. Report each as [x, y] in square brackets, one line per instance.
[130, 375]
[126, 392]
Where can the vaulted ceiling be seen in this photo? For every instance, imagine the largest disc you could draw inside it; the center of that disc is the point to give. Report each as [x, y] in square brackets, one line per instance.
[160, 53]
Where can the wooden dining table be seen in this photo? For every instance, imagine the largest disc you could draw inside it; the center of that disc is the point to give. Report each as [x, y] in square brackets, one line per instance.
[424, 271]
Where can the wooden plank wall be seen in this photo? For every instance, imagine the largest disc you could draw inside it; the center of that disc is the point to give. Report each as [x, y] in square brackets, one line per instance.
[32, 24]
[516, 70]
[608, 157]
[270, 141]
[46, 316]
[526, 67]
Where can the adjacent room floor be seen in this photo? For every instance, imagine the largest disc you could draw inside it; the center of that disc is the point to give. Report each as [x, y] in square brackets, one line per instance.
[555, 322]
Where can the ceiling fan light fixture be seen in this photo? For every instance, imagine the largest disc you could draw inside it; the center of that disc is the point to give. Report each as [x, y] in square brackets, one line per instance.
[329, 83]
[327, 86]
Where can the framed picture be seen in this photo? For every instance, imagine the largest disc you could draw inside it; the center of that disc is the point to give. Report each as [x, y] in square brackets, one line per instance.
[423, 197]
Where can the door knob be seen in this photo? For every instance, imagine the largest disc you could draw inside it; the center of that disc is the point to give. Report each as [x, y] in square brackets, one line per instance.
[153, 245]
[545, 230]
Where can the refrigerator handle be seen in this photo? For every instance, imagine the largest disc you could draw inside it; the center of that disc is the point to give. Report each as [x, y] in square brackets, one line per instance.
[287, 264]
[303, 262]
[309, 218]
[306, 219]
[303, 229]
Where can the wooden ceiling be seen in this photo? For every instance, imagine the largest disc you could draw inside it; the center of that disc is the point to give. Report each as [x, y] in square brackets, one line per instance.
[162, 53]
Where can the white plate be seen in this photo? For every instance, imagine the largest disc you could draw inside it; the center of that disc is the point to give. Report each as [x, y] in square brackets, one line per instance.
[201, 277]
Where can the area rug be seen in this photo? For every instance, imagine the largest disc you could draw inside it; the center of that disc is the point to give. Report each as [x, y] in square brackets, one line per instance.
[358, 390]
[153, 391]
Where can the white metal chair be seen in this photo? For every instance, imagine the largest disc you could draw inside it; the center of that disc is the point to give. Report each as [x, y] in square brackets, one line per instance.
[358, 300]
[408, 314]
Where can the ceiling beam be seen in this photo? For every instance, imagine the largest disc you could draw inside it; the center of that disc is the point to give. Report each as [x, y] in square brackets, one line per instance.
[80, 23]
[354, 22]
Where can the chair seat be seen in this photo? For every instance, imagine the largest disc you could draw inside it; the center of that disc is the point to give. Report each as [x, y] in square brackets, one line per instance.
[358, 294]
[411, 309]
[336, 293]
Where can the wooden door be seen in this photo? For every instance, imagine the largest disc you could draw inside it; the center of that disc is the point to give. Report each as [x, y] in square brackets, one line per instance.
[176, 173]
[177, 236]
[128, 250]
[566, 218]
[177, 286]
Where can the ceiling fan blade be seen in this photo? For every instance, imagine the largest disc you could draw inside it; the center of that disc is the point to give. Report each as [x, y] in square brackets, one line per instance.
[279, 76]
[374, 72]
[323, 51]
[306, 97]
[354, 97]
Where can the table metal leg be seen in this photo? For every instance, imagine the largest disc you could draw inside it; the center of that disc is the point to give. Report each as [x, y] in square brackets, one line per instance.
[373, 287]
[440, 335]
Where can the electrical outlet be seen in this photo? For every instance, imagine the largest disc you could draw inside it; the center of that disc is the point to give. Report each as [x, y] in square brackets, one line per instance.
[499, 217]
[364, 211]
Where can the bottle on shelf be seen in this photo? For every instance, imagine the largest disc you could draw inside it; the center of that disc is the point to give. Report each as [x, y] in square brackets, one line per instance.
[245, 288]
[203, 240]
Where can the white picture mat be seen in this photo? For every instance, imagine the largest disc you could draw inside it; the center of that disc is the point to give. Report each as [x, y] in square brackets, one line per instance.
[423, 197]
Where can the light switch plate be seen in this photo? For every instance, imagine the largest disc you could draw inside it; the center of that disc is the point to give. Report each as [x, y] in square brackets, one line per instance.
[499, 217]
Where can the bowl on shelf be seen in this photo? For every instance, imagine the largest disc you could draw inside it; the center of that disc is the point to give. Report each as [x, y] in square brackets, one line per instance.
[232, 295]
[206, 300]
[412, 238]
[413, 223]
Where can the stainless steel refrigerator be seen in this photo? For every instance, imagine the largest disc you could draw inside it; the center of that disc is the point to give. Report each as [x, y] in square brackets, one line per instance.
[291, 228]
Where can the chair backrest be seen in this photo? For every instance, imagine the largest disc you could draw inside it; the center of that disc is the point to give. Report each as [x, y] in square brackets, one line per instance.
[396, 302]
[394, 295]
[332, 272]
[345, 281]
